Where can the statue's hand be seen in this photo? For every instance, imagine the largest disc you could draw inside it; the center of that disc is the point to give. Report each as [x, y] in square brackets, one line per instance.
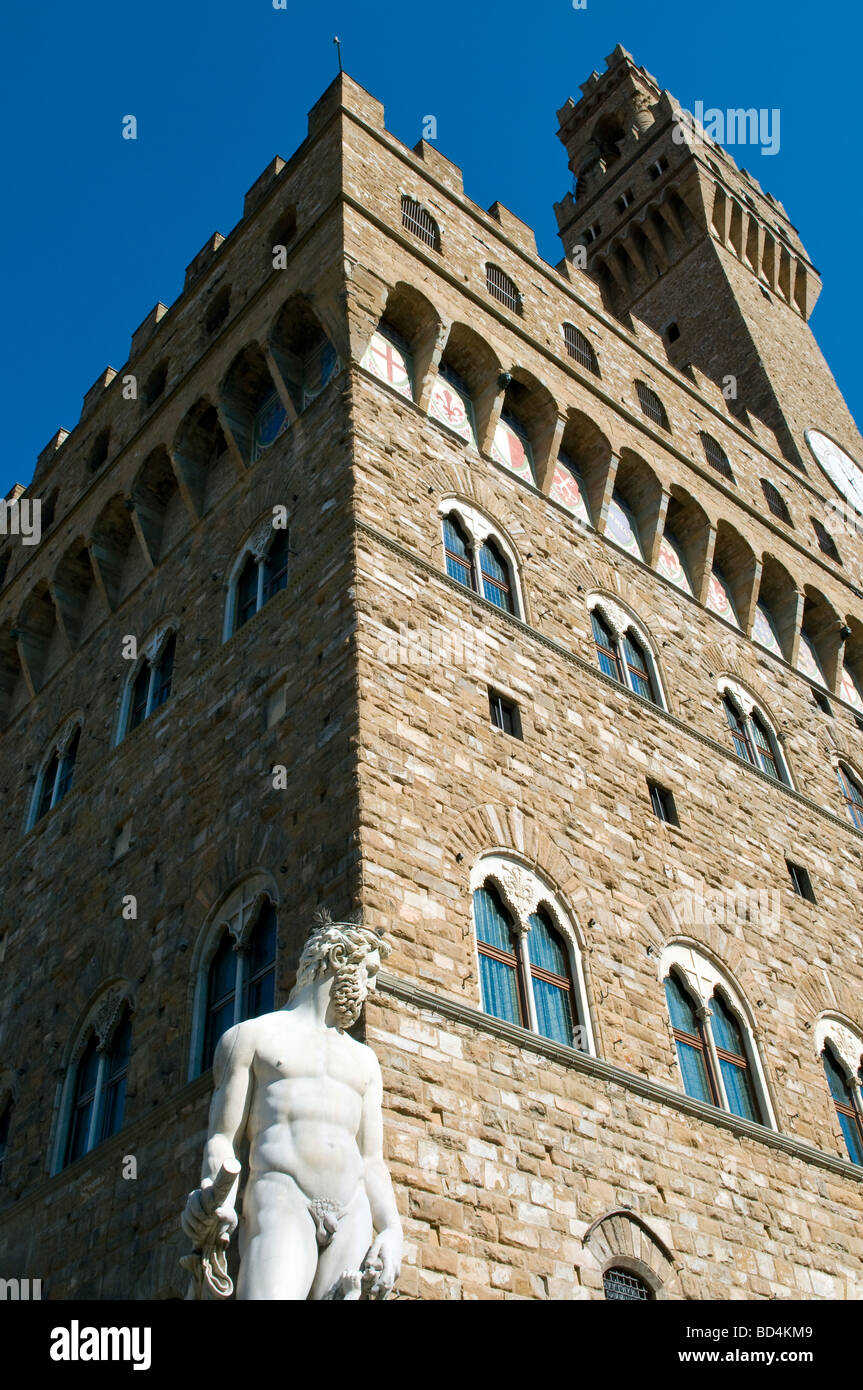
[205, 1223]
[384, 1261]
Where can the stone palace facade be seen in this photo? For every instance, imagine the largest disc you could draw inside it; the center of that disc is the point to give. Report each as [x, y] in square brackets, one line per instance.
[519, 607]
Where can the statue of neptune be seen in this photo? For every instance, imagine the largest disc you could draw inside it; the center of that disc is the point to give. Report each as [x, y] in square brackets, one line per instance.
[307, 1097]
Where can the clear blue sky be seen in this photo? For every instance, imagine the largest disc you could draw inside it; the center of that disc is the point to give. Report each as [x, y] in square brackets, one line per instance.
[97, 229]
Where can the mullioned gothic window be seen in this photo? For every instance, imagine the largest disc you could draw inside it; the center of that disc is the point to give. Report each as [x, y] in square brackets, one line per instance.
[841, 1051]
[621, 653]
[852, 794]
[262, 574]
[56, 776]
[478, 559]
[718, 1060]
[752, 735]
[526, 962]
[152, 685]
[236, 967]
[95, 1094]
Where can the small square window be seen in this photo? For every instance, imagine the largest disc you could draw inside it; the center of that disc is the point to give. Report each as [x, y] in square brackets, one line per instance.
[663, 805]
[820, 699]
[672, 332]
[801, 883]
[625, 200]
[504, 714]
[658, 169]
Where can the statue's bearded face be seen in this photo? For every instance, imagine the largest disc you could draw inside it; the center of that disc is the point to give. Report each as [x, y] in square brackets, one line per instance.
[351, 985]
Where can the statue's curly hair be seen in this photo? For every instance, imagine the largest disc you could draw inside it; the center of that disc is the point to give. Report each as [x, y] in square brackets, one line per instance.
[336, 945]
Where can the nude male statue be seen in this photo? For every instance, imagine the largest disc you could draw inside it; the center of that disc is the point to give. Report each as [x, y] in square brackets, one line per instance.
[307, 1096]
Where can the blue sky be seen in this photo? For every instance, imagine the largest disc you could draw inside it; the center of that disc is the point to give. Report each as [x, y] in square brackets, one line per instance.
[97, 228]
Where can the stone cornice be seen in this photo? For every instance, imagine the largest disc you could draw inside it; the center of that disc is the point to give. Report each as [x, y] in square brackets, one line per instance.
[445, 1006]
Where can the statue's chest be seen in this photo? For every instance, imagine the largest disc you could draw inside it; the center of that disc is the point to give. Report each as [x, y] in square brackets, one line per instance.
[301, 1055]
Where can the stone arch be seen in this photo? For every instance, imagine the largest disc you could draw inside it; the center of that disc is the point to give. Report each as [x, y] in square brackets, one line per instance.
[80, 603]
[622, 1238]
[158, 506]
[639, 487]
[495, 827]
[301, 357]
[42, 642]
[237, 910]
[819, 992]
[117, 553]
[101, 1014]
[478, 366]
[416, 320]
[200, 449]
[529, 402]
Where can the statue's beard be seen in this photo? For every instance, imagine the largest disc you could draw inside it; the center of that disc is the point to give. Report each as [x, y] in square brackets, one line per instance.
[348, 994]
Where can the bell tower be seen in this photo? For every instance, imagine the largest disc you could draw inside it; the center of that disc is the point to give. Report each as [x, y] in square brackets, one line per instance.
[678, 236]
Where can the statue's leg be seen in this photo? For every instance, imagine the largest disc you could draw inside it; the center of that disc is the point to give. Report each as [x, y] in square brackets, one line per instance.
[279, 1248]
[347, 1249]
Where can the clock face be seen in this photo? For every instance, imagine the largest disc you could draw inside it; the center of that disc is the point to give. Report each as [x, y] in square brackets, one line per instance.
[845, 475]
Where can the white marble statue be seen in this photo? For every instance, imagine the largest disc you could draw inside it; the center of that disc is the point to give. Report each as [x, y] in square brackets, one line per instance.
[307, 1097]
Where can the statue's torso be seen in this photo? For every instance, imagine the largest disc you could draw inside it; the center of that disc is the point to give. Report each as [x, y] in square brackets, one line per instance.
[306, 1106]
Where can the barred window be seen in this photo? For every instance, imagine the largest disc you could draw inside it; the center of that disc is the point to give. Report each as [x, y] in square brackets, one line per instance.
[502, 288]
[716, 456]
[578, 346]
[652, 406]
[420, 223]
[776, 502]
[826, 543]
[621, 1286]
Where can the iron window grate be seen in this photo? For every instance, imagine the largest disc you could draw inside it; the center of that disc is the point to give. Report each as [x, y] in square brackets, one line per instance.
[622, 1287]
[420, 223]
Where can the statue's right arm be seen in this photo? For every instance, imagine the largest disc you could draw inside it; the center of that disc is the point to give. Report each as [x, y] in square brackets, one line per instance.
[229, 1111]
[232, 1093]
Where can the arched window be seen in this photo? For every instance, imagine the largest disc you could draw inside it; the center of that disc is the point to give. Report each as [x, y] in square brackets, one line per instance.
[56, 777]
[776, 502]
[511, 447]
[241, 979]
[459, 553]
[651, 405]
[262, 574]
[846, 1098]
[503, 288]
[826, 543]
[419, 222]
[716, 456]
[622, 1286]
[479, 560]
[98, 1091]
[496, 578]
[580, 348]
[606, 647]
[852, 794]
[622, 656]
[717, 1057]
[5, 1121]
[152, 685]
[753, 738]
[525, 965]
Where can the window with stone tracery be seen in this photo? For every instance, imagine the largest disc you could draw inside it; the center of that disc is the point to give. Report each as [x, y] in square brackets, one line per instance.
[841, 1052]
[94, 1096]
[719, 1062]
[477, 557]
[236, 967]
[260, 574]
[529, 964]
[622, 651]
[56, 775]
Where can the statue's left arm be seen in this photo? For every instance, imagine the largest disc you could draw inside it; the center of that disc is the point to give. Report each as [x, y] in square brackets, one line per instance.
[385, 1255]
